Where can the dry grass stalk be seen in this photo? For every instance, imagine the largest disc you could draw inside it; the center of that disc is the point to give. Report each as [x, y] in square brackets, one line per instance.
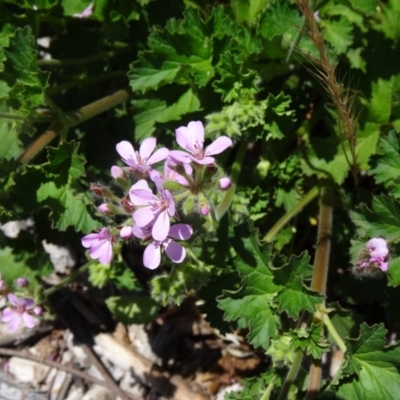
[338, 94]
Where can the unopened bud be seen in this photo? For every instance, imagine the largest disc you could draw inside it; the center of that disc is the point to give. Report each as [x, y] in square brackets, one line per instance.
[126, 232]
[117, 172]
[225, 183]
[204, 209]
[38, 310]
[22, 282]
[104, 208]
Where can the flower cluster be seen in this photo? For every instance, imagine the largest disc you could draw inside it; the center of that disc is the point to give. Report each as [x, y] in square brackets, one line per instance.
[19, 309]
[372, 259]
[148, 206]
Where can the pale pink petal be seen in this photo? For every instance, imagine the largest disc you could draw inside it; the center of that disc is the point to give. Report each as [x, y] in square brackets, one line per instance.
[218, 146]
[13, 299]
[161, 227]
[141, 197]
[383, 266]
[193, 135]
[143, 216]
[141, 184]
[146, 148]
[178, 156]
[126, 151]
[29, 321]
[152, 255]
[27, 303]
[15, 322]
[204, 161]
[180, 231]
[106, 254]
[90, 240]
[7, 315]
[171, 202]
[175, 251]
[143, 232]
[159, 155]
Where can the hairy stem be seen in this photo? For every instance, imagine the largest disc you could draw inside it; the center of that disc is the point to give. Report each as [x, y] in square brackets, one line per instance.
[320, 274]
[294, 369]
[311, 195]
[268, 391]
[73, 118]
[335, 335]
[69, 278]
[321, 261]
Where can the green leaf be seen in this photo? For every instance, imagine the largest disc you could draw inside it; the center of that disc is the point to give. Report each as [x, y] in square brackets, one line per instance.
[310, 341]
[72, 7]
[386, 169]
[247, 10]
[253, 305]
[367, 7]
[180, 51]
[149, 112]
[380, 105]
[375, 365]
[338, 34]
[61, 190]
[295, 297]
[9, 139]
[133, 309]
[25, 80]
[394, 272]
[383, 219]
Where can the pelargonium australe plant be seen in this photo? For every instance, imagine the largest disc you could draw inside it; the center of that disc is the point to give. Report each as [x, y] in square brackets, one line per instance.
[283, 230]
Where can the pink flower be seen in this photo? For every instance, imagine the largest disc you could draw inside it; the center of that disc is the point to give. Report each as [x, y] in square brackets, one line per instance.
[378, 247]
[175, 252]
[100, 245]
[19, 312]
[143, 160]
[191, 138]
[155, 208]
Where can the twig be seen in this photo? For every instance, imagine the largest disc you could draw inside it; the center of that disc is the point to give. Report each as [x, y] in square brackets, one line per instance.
[70, 370]
[74, 118]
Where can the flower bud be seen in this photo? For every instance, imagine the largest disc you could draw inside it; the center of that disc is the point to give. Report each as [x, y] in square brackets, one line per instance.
[38, 310]
[225, 183]
[126, 232]
[104, 208]
[204, 209]
[22, 282]
[101, 191]
[117, 172]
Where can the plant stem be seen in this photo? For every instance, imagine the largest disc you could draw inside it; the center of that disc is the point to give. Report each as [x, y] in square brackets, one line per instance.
[69, 278]
[320, 274]
[321, 261]
[267, 394]
[74, 118]
[311, 195]
[332, 330]
[294, 369]
[83, 82]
